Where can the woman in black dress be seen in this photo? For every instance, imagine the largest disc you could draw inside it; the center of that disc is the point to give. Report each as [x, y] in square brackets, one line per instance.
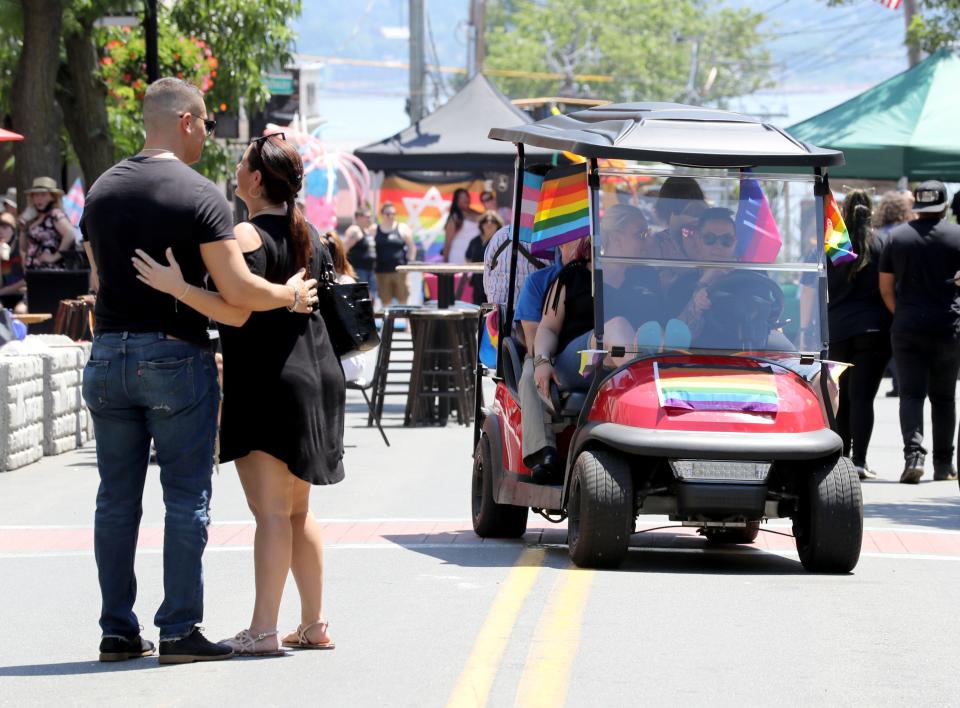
[283, 396]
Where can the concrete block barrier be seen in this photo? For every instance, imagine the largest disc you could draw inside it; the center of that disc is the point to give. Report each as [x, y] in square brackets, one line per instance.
[21, 411]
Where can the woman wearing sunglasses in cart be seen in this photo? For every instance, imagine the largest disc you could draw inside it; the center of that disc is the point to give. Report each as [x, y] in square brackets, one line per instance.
[283, 397]
[712, 239]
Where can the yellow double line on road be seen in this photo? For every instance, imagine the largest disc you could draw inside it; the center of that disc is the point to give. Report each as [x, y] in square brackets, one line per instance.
[546, 673]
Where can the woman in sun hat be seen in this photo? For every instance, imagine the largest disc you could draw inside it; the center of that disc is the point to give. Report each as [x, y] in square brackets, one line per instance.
[48, 234]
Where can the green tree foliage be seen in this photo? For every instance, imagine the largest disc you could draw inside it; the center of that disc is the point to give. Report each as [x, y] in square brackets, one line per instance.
[936, 25]
[245, 39]
[647, 47]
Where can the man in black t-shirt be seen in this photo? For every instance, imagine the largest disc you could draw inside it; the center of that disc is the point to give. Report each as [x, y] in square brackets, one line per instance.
[151, 373]
[916, 282]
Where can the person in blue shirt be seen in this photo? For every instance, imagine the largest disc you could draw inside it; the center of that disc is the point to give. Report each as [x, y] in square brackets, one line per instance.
[539, 441]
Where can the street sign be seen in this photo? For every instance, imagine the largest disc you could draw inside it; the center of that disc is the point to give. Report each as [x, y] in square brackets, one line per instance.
[279, 84]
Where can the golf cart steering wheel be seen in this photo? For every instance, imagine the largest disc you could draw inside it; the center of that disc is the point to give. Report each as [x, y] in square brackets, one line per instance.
[747, 301]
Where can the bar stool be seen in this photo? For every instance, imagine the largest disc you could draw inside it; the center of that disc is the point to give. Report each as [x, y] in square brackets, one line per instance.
[441, 373]
[388, 364]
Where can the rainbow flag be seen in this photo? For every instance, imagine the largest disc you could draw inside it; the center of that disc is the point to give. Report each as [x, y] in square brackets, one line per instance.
[758, 237]
[490, 339]
[563, 213]
[836, 238]
[716, 388]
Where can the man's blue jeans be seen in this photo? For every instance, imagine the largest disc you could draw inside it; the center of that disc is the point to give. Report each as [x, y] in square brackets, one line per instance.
[140, 386]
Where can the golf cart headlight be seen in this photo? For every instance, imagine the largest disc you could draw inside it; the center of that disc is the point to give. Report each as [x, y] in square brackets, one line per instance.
[720, 470]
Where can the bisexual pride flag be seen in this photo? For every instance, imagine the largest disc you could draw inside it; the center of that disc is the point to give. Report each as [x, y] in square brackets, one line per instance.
[758, 237]
[694, 387]
[836, 238]
[563, 213]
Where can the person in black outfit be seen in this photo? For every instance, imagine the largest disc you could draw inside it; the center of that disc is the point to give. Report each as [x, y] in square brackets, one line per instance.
[394, 247]
[283, 398]
[859, 329]
[490, 222]
[916, 281]
[361, 247]
[151, 373]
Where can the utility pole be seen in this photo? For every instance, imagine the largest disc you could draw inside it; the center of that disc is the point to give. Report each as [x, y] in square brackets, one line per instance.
[909, 10]
[151, 40]
[476, 41]
[417, 60]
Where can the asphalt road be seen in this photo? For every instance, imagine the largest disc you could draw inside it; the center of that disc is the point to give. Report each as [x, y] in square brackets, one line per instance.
[424, 614]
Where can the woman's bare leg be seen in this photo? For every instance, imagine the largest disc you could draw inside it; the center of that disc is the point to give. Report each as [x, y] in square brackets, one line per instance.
[307, 562]
[269, 487]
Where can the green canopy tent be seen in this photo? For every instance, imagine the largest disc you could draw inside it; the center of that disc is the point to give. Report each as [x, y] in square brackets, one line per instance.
[905, 126]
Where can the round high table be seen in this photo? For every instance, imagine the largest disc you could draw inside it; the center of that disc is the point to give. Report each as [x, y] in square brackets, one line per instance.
[445, 273]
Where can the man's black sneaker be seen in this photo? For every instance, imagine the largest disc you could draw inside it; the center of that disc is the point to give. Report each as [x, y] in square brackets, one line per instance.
[193, 647]
[944, 472]
[912, 469]
[115, 648]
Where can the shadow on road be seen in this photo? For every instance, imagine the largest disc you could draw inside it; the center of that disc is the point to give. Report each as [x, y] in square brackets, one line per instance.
[934, 512]
[648, 554]
[76, 668]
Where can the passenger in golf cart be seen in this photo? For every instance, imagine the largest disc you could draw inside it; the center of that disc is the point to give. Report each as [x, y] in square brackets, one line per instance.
[670, 310]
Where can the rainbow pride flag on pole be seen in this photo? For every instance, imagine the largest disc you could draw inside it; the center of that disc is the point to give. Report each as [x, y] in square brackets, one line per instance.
[563, 213]
[758, 237]
[716, 388]
[836, 238]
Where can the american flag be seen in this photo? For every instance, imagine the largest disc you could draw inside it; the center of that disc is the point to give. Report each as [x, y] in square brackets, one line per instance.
[890, 4]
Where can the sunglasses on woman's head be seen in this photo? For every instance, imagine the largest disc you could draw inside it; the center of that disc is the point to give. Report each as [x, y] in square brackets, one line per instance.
[258, 142]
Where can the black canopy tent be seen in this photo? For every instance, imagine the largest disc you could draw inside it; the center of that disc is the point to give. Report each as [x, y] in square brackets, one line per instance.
[453, 138]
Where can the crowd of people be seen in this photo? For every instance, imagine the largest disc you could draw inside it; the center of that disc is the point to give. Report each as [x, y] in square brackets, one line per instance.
[167, 258]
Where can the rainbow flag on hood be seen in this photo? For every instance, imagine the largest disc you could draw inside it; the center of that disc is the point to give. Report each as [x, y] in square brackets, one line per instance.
[836, 238]
[696, 387]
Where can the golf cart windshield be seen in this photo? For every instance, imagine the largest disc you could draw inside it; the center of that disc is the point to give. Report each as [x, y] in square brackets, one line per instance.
[704, 261]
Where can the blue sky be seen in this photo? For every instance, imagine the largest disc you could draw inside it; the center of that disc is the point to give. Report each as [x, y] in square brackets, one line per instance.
[824, 55]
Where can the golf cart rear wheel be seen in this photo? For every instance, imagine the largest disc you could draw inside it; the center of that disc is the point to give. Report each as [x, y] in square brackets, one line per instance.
[747, 534]
[600, 510]
[492, 520]
[829, 523]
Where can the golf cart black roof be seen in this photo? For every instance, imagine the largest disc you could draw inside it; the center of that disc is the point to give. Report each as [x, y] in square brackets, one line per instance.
[671, 133]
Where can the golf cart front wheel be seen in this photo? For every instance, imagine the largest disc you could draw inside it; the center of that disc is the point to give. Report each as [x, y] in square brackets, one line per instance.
[490, 519]
[829, 523]
[600, 510]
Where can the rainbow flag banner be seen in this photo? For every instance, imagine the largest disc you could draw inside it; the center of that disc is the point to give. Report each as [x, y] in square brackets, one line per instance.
[563, 213]
[716, 388]
[758, 236]
[490, 339]
[836, 238]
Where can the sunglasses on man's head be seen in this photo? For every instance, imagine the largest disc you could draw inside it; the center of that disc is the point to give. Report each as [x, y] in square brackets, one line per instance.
[209, 124]
[725, 239]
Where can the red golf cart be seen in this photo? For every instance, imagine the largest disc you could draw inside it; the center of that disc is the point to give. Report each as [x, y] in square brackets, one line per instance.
[705, 394]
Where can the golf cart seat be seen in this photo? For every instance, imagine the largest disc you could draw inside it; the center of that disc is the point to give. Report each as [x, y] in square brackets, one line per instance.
[567, 401]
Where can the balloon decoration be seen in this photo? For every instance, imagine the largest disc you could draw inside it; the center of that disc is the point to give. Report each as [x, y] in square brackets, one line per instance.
[333, 182]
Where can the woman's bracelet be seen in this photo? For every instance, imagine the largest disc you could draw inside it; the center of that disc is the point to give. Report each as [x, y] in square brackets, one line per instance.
[537, 360]
[296, 300]
[185, 291]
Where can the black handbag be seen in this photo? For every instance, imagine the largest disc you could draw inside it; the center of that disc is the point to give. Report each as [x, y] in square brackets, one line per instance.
[347, 311]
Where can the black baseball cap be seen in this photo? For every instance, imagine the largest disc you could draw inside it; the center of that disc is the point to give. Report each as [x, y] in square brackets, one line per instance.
[929, 197]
